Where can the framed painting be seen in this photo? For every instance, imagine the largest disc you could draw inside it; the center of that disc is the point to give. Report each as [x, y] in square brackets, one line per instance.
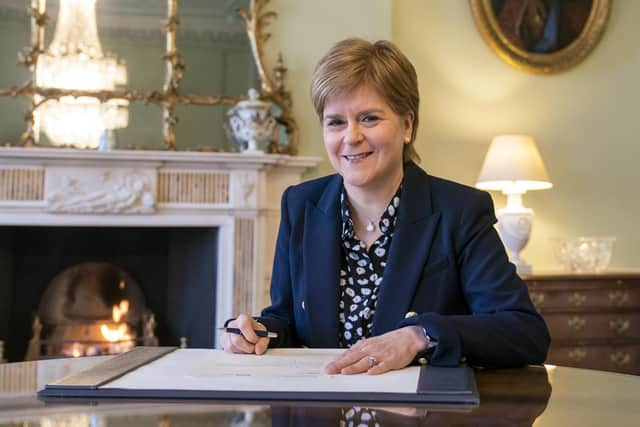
[541, 36]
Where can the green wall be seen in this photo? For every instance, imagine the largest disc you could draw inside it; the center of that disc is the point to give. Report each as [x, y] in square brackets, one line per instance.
[585, 121]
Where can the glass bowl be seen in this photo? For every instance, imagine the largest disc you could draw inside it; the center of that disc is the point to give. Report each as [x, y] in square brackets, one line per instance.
[584, 254]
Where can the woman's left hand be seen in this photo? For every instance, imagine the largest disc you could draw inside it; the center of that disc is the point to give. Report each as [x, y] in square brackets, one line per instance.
[376, 355]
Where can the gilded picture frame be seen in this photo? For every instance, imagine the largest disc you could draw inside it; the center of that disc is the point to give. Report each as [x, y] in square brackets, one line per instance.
[541, 36]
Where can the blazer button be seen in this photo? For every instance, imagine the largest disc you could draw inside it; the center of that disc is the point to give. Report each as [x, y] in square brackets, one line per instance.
[423, 360]
[410, 314]
[302, 304]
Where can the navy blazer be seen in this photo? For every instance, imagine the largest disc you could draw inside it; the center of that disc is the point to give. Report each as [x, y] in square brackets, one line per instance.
[446, 263]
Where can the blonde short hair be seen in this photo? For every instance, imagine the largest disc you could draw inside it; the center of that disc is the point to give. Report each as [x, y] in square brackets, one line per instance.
[353, 62]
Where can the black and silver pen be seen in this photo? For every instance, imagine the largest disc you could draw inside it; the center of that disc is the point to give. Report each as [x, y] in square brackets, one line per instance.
[259, 333]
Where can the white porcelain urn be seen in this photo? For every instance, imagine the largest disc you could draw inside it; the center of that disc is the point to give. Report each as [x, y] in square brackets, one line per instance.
[251, 123]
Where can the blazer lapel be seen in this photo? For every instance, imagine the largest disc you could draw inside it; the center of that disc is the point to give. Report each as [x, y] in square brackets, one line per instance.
[321, 246]
[410, 246]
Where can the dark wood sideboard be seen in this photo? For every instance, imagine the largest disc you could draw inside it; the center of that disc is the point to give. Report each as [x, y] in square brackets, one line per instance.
[594, 320]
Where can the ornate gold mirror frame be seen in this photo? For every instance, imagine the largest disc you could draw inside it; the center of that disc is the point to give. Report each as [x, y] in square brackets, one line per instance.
[255, 20]
[506, 45]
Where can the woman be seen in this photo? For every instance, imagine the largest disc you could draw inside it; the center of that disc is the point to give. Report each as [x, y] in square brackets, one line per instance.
[382, 258]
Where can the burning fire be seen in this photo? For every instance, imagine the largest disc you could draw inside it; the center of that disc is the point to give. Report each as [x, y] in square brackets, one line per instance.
[106, 336]
[120, 332]
[120, 310]
[116, 335]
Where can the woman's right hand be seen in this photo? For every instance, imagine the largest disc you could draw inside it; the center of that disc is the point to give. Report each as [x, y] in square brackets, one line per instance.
[248, 342]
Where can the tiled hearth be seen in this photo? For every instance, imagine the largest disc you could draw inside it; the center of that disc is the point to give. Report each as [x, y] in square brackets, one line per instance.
[237, 194]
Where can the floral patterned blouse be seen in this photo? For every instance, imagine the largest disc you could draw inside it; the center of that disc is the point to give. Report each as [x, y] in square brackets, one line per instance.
[361, 272]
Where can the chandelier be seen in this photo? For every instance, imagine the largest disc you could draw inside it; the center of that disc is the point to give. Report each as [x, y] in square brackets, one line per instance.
[74, 60]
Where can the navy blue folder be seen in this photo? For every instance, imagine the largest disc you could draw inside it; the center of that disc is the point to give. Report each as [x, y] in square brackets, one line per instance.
[436, 385]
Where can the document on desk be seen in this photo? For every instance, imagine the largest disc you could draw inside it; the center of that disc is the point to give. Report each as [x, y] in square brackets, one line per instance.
[280, 374]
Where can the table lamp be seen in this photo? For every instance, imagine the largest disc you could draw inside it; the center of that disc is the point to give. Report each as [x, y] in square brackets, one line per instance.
[514, 166]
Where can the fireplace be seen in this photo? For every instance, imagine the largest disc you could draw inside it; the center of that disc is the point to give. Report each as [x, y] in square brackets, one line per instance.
[195, 232]
[172, 268]
[90, 309]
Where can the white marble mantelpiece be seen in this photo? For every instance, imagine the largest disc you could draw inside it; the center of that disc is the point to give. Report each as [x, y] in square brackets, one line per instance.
[237, 193]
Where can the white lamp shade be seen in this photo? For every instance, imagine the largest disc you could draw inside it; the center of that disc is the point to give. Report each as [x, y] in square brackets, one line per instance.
[513, 164]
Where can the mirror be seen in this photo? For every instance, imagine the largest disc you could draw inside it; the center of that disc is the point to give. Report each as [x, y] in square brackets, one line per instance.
[541, 36]
[212, 39]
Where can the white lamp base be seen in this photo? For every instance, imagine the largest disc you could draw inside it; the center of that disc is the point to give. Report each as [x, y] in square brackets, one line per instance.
[522, 268]
[515, 228]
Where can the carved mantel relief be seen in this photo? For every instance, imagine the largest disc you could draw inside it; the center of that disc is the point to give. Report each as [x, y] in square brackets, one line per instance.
[113, 190]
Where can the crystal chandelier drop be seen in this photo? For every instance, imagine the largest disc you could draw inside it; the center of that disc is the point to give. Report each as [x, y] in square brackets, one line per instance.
[74, 60]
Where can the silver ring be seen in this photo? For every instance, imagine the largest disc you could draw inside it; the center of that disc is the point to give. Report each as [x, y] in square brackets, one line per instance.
[373, 360]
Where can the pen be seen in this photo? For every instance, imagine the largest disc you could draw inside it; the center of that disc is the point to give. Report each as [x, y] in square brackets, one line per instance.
[261, 334]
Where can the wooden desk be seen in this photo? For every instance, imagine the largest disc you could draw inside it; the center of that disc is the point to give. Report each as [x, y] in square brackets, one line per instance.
[550, 396]
[594, 320]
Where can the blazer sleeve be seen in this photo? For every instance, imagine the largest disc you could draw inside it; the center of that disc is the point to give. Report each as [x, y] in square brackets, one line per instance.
[503, 329]
[279, 317]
